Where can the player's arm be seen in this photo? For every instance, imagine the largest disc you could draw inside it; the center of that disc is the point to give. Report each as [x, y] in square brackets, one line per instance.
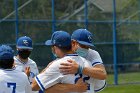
[98, 71]
[80, 86]
[35, 86]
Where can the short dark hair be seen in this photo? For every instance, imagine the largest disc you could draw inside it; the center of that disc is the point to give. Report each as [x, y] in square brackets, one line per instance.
[6, 63]
[65, 49]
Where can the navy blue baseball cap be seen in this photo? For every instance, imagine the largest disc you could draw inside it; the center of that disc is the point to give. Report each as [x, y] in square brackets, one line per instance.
[59, 38]
[82, 36]
[6, 52]
[24, 42]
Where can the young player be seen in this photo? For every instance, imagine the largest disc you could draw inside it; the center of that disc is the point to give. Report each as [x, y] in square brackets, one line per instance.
[82, 41]
[61, 47]
[22, 61]
[11, 80]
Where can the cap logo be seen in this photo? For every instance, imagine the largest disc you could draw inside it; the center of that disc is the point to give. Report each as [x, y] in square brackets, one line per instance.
[90, 38]
[25, 42]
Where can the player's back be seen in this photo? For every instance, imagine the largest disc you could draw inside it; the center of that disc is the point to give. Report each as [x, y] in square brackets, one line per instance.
[73, 79]
[52, 75]
[13, 81]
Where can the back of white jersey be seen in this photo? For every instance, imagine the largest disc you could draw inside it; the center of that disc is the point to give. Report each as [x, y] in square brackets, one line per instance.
[94, 58]
[52, 75]
[13, 81]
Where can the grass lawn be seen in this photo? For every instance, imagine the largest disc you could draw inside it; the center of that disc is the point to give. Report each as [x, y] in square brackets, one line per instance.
[122, 89]
[122, 79]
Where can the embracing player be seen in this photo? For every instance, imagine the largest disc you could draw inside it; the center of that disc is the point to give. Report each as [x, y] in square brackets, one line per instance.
[11, 80]
[61, 47]
[81, 44]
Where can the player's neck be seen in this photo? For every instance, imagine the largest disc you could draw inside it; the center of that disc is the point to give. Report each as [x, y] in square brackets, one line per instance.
[69, 52]
[21, 59]
[65, 53]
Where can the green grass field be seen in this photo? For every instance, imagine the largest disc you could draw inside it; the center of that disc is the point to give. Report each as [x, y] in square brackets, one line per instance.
[124, 78]
[123, 88]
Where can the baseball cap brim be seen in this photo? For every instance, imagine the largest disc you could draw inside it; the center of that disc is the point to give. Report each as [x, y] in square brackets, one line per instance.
[48, 43]
[23, 47]
[85, 43]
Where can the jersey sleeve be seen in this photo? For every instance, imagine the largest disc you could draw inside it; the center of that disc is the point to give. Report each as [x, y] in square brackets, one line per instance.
[49, 77]
[99, 85]
[94, 57]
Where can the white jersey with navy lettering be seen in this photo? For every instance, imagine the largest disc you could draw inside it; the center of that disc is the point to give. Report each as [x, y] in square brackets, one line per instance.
[13, 81]
[52, 75]
[94, 58]
[22, 65]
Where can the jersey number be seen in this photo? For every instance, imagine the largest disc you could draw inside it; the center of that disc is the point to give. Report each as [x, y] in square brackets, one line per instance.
[13, 85]
[84, 79]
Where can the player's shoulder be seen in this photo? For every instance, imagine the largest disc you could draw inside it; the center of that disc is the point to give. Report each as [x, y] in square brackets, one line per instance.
[30, 61]
[16, 60]
[93, 51]
[19, 73]
[59, 60]
[56, 63]
[81, 58]
[62, 59]
[13, 71]
[1, 71]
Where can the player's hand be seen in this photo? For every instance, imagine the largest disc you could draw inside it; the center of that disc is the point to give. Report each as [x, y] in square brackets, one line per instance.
[81, 86]
[71, 67]
[27, 71]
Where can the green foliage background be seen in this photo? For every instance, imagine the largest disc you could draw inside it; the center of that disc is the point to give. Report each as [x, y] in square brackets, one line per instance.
[35, 20]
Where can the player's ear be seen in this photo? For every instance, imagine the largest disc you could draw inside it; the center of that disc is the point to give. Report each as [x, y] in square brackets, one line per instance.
[55, 49]
[74, 45]
[73, 42]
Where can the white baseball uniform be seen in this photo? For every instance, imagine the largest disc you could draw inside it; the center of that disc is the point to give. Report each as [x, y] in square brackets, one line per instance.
[22, 65]
[95, 59]
[52, 75]
[14, 81]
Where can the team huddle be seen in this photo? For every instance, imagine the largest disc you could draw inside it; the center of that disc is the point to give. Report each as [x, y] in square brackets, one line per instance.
[77, 67]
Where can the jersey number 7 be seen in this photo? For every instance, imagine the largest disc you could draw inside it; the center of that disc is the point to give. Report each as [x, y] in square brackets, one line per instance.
[13, 85]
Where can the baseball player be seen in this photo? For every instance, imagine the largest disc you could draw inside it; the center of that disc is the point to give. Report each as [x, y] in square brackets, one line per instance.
[11, 80]
[61, 47]
[22, 61]
[82, 41]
